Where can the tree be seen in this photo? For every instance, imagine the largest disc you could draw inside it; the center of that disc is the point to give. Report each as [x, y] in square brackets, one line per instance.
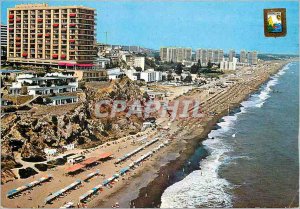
[169, 76]
[199, 64]
[178, 69]
[160, 68]
[209, 64]
[194, 69]
[157, 57]
[138, 69]
[188, 79]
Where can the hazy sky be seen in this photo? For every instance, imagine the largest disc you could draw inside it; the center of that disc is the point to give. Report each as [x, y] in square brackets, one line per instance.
[196, 24]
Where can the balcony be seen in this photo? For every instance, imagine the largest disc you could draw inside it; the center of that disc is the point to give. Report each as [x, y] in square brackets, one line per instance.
[54, 56]
[72, 15]
[40, 20]
[63, 56]
[24, 55]
[11, 21]
[18, 20]
[40, 35]
[72, 25]
[11, 16]
[55, 25]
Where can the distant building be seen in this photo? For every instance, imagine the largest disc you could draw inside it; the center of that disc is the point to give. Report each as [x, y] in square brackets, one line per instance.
[3, 42]
[231, 55]
[252, 58]
[135, 49]
[212, 55]
[175, 54]
[243, 56]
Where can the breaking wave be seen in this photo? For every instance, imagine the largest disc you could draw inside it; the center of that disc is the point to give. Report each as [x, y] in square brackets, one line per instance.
[204, 187]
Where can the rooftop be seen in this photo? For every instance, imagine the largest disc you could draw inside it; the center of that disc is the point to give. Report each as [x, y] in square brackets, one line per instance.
[62, 97]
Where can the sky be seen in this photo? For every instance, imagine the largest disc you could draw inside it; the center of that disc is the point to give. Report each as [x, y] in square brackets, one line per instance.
[198, 24]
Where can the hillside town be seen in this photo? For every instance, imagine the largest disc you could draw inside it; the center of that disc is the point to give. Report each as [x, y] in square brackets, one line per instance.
[55, 151]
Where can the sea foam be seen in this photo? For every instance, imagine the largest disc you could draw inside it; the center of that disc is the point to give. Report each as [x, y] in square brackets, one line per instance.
[204, 187]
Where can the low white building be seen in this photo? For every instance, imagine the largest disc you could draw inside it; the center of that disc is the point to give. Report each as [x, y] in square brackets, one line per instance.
[102, 62]
[69, 146]
[48, 84]
[75, 158]
[61, 100]
[49, 151]
[226, 65]
[114, 73]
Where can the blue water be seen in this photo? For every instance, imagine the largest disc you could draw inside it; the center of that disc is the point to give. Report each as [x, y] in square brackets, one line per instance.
[253, 157]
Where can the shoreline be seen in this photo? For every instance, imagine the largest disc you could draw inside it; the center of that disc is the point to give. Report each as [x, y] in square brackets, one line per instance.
[150, 195]
[144, 185]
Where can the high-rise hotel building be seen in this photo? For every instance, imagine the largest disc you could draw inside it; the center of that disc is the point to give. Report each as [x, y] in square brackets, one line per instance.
[209, 55]
[175, 54]
[51, 35]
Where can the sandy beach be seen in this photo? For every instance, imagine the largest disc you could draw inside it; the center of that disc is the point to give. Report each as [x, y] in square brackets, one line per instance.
[143, 186]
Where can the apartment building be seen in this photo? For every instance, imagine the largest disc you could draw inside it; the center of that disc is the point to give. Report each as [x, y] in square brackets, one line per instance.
[3, 41]
[139, 62]
[51, 83]
[231, 55]
[175, 54]
[252, 58]
[39, 34]
[212, 55]
[243, 56]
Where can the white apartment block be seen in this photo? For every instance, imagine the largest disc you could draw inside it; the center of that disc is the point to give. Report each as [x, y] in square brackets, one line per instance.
[139, 62]
[48, 84]
[175, 54]
[228, 65]
[151, 75]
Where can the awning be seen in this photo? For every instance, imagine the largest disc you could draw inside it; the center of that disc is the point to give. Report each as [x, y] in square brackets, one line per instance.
[89, 161]
[74, 168]
[105, 155]
[62, 64]
[85, 65]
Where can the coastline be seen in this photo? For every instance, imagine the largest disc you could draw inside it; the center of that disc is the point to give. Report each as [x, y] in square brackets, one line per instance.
[149, 194]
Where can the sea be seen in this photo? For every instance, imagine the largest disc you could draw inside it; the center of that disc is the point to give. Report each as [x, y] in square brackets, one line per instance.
[252, 155]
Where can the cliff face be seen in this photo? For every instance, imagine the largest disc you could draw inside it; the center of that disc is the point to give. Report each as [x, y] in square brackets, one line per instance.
[79, 125]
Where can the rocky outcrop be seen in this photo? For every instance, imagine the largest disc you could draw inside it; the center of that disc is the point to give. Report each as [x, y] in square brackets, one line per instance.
[79, 126]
